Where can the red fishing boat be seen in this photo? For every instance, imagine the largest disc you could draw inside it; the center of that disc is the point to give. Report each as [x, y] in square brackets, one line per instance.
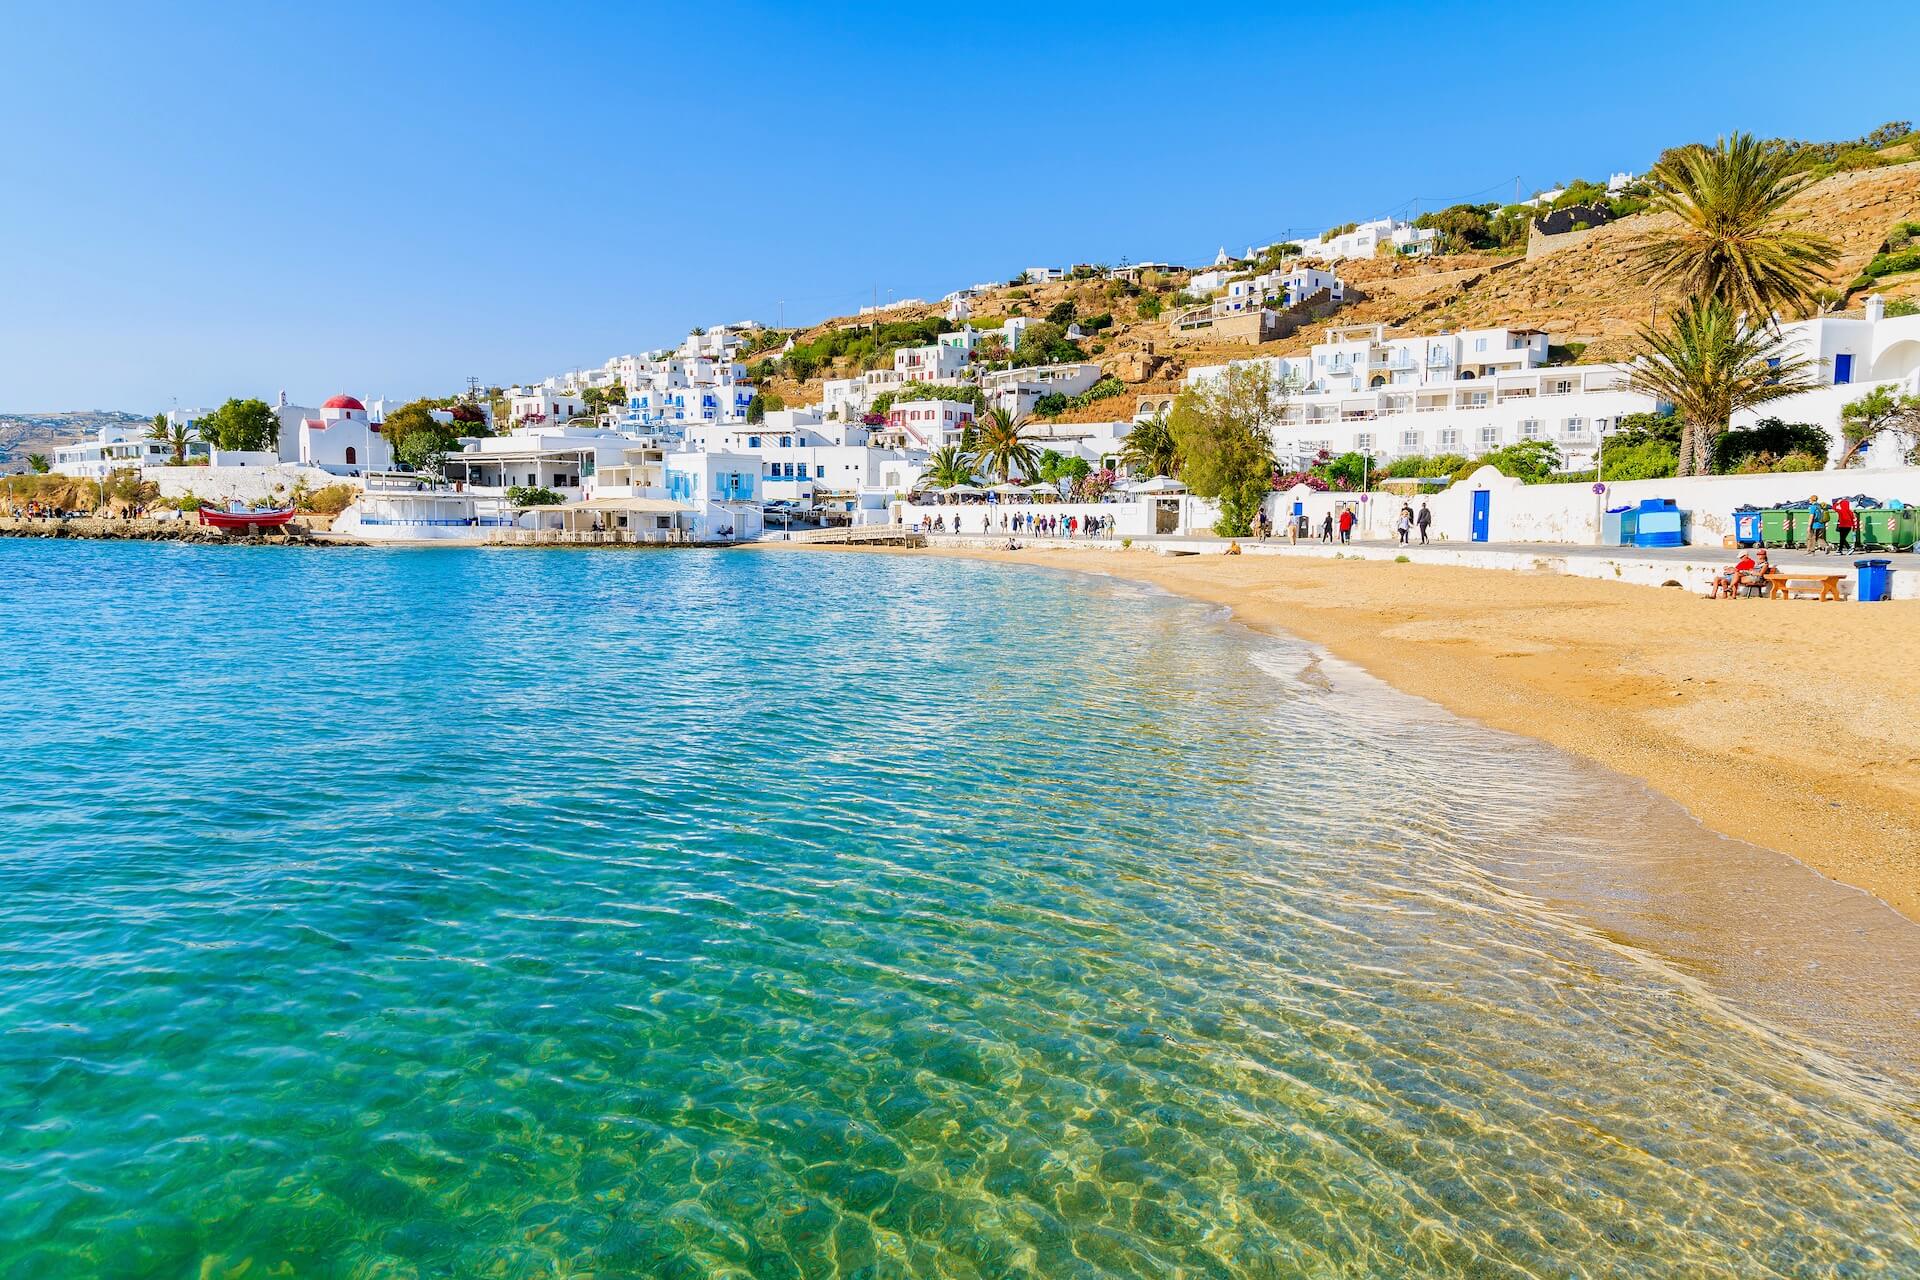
[243, 519]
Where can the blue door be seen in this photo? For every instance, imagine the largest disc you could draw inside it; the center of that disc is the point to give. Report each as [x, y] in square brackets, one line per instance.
[1482, 514]
[1842, 369]
[1299, 509]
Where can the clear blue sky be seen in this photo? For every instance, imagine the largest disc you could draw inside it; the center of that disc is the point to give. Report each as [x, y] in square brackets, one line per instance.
[211, 200]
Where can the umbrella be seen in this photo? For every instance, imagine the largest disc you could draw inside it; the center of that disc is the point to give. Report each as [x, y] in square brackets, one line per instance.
[965, 489]
[1043, 488]
[1007, 486]
[1159, 484]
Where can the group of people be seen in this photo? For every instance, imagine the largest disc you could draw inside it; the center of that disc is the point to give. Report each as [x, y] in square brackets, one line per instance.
[1845, 521]
[1033, 524]
[1343, 524]
[1749, 570]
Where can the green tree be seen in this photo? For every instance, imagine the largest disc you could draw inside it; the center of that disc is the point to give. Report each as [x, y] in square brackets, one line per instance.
[1223, 432]
[524, 496]
[946, 467]
[38, 463]
[1733, 242]
[763, 403]
[1770, 438]
[243, 426]
[1148, 450]
[1709, 363]
[1878, 411]
[1046, 343]
[1000, 447]
[417, 440]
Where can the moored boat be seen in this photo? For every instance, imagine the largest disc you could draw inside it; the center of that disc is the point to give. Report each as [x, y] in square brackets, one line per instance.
[243, 519]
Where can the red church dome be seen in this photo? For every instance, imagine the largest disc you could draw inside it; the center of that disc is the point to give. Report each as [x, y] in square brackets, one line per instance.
[344, 402]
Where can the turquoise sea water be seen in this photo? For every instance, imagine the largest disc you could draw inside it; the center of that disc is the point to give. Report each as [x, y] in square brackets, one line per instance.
[464, 913]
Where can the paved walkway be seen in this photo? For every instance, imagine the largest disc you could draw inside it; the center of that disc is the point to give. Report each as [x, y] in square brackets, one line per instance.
[1690, 568]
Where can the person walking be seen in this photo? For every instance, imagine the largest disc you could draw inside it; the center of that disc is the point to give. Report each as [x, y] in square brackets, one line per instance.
[1847, 524]
[1816, 525]
[1403, 525]
[1425, 521]
[1346, 524]
[1326, 528]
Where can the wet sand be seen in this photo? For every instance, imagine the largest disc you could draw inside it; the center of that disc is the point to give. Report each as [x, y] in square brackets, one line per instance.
[1791, 725]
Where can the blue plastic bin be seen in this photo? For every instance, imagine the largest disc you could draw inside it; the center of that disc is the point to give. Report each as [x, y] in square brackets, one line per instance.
[1746, 528]
[1659, 522]
[1876, 580]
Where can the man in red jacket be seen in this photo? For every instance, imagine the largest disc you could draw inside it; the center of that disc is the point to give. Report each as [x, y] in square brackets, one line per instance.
[1346, 524]
[1847, 523]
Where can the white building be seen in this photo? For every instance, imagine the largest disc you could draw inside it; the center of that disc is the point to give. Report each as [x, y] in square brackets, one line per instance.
[1282, 288]
[113, 448]
[1016, 390]
[1482, 389]
[537, 406]
[1466, 393]
[564, 459]
[1043, 275]
[1367, 239]
[344, 439]
[929, 424]
[723, 491]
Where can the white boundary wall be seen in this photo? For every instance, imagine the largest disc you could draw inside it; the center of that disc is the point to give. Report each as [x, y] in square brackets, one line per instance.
[1571, 513]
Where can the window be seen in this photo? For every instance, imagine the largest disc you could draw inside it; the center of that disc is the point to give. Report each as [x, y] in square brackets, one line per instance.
[1479, 344]
[1563, 387]
[1529, 429]
[1449, 437]
[1573, 428]
[351, 456]
[1489, 435]
[1409, 439]
[1363, 441]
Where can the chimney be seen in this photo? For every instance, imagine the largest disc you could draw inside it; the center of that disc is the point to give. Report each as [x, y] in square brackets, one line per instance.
[1876, 309]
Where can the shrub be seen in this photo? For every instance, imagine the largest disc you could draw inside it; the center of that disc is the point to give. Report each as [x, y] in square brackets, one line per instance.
[1149, 307]
[1903, 307]
[1646, 459]
[1770, 438]
[538, 496]
[1050, 405]
[330, 501]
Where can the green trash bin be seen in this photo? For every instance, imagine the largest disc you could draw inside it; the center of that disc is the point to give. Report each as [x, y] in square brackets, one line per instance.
[1783, 528]
[1885, 527]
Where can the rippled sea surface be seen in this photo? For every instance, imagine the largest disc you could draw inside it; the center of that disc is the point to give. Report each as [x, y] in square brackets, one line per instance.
[464, 913]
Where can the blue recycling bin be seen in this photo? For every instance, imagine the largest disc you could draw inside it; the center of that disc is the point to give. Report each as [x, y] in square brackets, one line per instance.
[1659, 522]
[1876, 580]
[1746, 528]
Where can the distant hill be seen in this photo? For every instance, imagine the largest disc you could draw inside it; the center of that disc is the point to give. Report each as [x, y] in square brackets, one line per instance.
[25, 433]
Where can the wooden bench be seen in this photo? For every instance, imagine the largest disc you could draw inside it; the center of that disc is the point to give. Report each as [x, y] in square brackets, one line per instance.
[1781, 586]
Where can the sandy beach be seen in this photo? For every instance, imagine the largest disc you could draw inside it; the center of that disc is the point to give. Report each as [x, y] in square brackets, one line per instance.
[1792, 725]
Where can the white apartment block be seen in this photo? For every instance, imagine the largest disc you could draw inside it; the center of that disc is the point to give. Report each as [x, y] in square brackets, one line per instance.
[538, 405]
[1282, 288]
[1465, 393]
[1367, 239]
[928, 424]
[115, 447]
[1016, 390]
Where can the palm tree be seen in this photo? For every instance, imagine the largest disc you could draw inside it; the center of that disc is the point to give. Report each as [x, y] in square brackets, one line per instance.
[1734, 241]
[175, 434]
[38, 464]
[999, 445]
[947, 466]
[1149, 448]
[1709, 363]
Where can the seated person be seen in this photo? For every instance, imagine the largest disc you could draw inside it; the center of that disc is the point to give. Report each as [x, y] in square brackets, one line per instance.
[1729, 582]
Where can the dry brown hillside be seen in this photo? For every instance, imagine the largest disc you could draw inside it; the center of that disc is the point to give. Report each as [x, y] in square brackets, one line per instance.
[1586, 293]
